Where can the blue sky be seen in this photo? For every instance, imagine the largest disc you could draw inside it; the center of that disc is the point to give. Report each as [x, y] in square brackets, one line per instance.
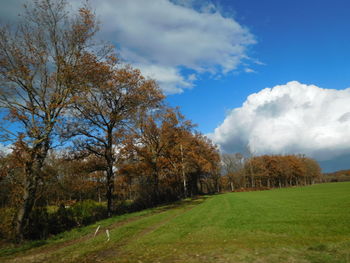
[272, 75]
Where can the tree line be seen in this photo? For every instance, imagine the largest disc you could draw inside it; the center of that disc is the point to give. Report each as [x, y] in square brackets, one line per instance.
[338, 176]
[268, 171]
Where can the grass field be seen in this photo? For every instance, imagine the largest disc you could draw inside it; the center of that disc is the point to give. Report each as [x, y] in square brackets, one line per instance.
[306, 224]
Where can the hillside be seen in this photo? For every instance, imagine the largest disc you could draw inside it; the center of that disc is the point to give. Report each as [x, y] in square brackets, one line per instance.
[305, 224]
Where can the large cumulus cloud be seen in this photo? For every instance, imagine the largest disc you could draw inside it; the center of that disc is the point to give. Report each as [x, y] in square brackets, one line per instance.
[290, 118]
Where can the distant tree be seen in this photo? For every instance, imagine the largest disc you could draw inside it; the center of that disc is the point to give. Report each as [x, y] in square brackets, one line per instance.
[312, 170]
[232, 164]
[282, 170]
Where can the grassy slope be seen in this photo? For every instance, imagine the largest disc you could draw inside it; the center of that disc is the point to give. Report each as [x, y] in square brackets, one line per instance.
[306, 224]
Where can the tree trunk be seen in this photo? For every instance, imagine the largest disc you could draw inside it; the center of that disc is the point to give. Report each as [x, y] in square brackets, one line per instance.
[23, 213]
[252, 181]
[109, 156]
[156, 187]
[32, 175]
[183, 172]
[28, 197]
[110, 190]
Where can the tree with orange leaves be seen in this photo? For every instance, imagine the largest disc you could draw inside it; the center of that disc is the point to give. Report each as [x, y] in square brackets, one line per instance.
[168, 158]
[282, 170]
[103, 112]
[150, 143]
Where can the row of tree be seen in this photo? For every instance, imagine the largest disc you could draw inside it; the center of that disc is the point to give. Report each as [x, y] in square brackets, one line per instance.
[160, 160]
[269, 171]
[76, 117]
[338, 176]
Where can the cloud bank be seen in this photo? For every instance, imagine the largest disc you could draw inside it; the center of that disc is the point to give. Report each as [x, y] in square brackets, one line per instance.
[290, 118]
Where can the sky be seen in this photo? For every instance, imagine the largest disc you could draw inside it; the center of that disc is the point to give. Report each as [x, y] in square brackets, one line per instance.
[272, 74]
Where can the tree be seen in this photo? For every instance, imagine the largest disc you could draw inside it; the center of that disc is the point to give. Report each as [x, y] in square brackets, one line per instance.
[43, 63]
[232, 164]
[168, 158]
[151, 142]
[313, 170]
[203, 164]
[104, 111]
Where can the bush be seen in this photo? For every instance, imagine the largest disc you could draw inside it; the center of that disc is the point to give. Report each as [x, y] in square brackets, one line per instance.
[61, 220]
[124, 206]
[87, 212]
[43, 224]
[6, 219]
[38, 226]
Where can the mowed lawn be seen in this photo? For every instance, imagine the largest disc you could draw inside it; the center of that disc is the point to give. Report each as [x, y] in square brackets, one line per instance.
[302, 224]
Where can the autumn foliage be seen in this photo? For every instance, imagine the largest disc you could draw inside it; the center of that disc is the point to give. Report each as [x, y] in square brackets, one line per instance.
[269, 171]
[82, 125]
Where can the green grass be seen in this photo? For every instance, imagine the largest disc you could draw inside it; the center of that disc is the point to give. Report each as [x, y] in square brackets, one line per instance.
[306, 224]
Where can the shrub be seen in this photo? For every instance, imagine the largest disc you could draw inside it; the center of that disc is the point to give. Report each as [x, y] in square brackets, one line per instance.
[6, 219]
[42, 223]
[61, 220]
[87, 212]
[38, 226]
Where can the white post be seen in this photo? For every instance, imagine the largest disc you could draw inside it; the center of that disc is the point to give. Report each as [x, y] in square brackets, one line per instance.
[107, 233]
[98, 228]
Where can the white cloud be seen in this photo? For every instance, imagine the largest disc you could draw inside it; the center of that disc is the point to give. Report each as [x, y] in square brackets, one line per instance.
[290, 118]
[163, 37]
[249, 70]
[5, 149]
[169, 78]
